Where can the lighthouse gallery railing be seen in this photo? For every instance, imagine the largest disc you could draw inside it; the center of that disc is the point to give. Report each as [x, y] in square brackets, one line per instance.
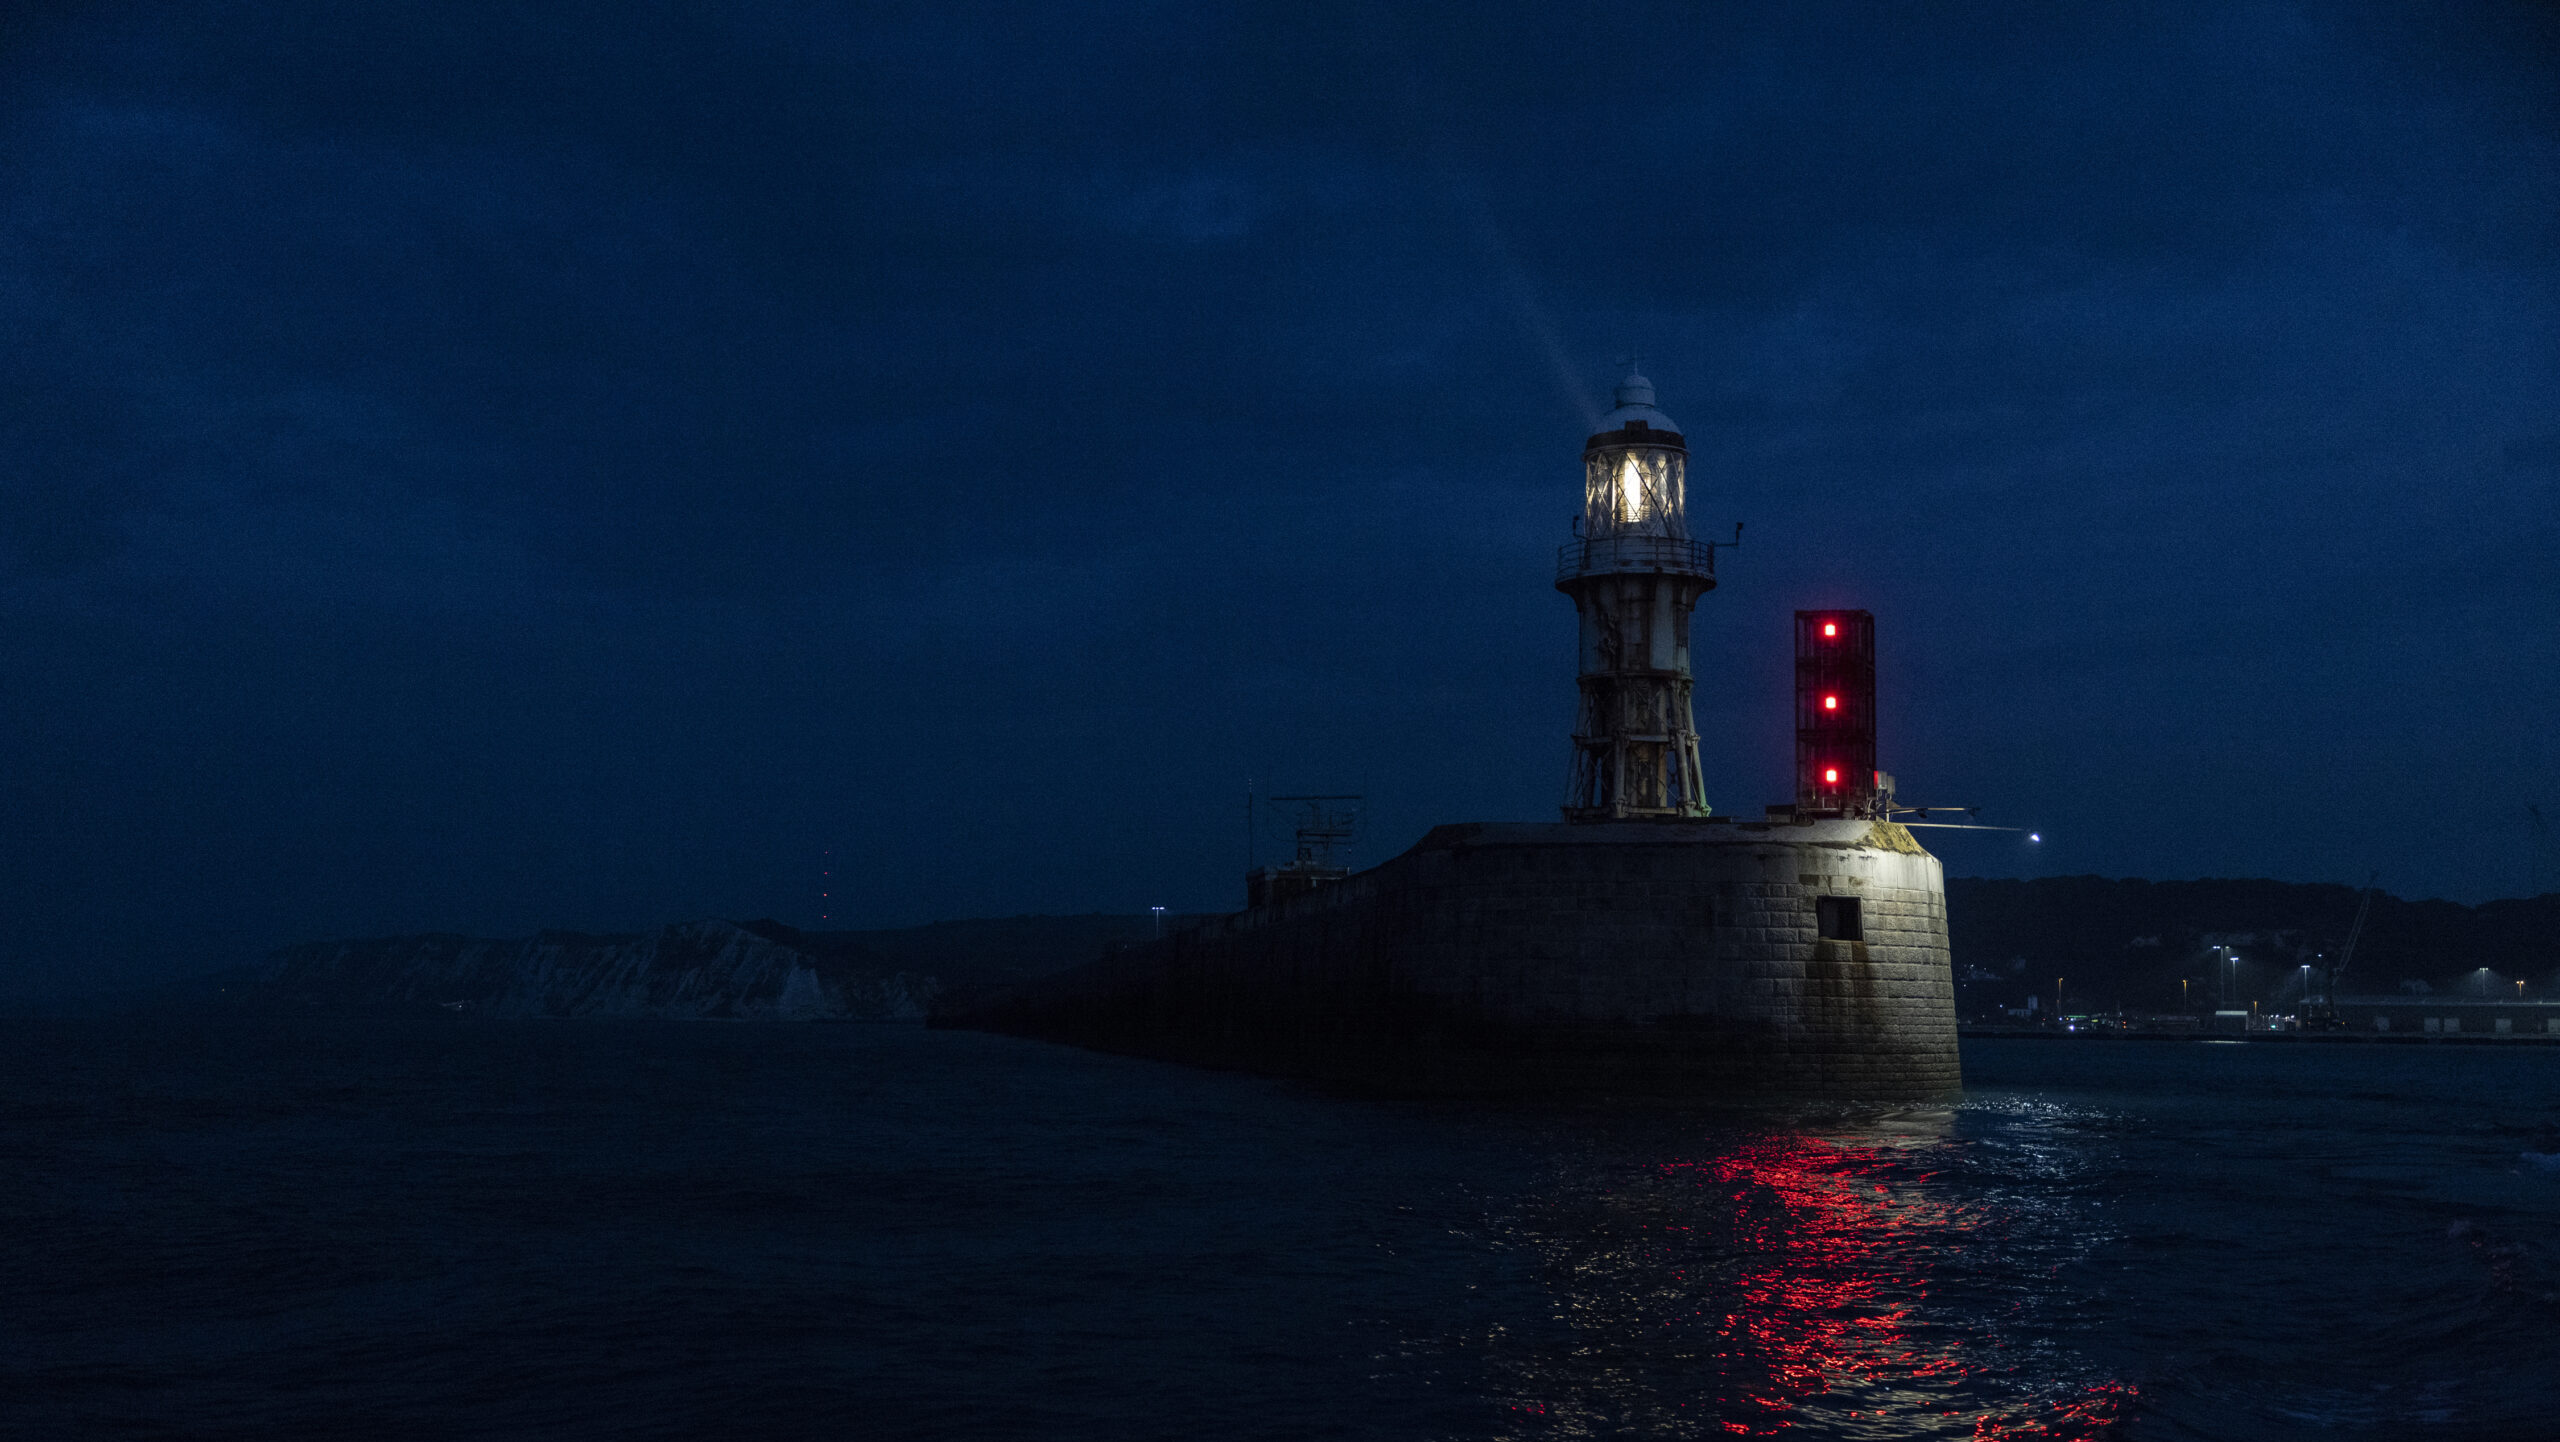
[1603, 555]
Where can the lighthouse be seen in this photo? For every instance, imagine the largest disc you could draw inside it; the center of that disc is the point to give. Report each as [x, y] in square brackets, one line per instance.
[1639, 946]
[1635, 575]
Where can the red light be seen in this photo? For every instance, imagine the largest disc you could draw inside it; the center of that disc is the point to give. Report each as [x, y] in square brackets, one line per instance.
[1830, 775]
[1830, 703]
[1831, 628]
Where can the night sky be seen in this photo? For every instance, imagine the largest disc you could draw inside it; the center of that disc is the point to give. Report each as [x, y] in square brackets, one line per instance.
[479, 467]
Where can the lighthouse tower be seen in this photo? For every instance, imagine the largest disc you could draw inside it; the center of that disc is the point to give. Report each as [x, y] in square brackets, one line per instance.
[1634, 575]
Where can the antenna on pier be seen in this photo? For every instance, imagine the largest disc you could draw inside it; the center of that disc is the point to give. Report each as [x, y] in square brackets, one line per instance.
[1326, 827]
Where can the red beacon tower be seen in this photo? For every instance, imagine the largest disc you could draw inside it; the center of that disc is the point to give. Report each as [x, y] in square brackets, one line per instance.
[1836, 716]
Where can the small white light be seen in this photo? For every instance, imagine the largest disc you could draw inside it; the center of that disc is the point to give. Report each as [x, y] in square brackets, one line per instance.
[2032, 836]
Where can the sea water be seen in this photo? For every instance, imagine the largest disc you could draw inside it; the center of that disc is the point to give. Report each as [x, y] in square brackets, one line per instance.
[256, 1229]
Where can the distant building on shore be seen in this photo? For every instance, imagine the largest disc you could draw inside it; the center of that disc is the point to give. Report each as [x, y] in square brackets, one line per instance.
[2449, 1016]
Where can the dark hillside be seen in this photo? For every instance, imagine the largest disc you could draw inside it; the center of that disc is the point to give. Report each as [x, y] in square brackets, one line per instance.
[2129, 942]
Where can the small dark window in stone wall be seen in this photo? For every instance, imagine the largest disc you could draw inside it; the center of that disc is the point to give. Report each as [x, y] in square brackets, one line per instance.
[1835, 918]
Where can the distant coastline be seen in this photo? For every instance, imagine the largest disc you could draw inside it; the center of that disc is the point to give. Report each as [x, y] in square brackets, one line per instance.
[695, 970]
[2256, 1038]
[2113, 944]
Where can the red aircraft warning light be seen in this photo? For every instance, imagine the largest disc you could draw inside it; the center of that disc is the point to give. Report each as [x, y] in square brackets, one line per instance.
[1836, 712]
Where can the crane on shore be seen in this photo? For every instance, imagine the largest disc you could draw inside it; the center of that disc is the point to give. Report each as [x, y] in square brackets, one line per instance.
[2346, 954]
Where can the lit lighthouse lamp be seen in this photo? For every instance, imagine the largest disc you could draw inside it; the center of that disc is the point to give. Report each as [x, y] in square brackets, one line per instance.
[1635, 477]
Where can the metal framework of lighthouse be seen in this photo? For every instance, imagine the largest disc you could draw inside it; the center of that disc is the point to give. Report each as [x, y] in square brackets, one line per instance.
[1635, 574]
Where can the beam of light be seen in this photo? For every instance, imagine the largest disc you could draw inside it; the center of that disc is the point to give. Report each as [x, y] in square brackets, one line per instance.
[1516, 287]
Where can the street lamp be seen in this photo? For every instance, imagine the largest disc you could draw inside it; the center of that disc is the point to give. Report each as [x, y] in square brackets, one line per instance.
[1159, 911]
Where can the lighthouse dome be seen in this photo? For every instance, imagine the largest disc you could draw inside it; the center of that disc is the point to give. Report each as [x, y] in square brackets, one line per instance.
[1636, 411]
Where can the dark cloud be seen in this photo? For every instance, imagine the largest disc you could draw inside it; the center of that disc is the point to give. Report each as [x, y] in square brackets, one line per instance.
[480, 466]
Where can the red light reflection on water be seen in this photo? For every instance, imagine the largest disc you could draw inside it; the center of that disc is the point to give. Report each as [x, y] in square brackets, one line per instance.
[1809, 1305]
[1836, 1263]
[1803, 1285]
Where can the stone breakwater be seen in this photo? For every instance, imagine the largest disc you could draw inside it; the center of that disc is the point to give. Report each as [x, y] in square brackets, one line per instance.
[1693, 960]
